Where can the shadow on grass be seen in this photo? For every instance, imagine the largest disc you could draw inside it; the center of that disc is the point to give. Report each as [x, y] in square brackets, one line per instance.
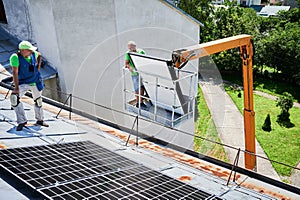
[265, 84]
[277, 87]
[286, 124]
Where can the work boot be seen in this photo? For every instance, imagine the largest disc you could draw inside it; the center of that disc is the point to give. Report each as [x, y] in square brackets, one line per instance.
[143, 105]
[21, 126]
[42, 123]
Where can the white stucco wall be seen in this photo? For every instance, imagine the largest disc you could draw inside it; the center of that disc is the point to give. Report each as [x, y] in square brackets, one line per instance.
[18, 19]
[43, 25]
[87, 40]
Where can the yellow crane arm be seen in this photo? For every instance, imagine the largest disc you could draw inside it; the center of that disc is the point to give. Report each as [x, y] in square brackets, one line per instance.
[181, 56]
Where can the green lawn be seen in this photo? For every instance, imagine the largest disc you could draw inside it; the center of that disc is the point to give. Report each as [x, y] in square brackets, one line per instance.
[268, 86]
[205, 127]
[281, 144]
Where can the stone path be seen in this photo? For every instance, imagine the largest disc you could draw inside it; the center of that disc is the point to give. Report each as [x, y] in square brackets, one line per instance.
[230, 125]
[269, 96]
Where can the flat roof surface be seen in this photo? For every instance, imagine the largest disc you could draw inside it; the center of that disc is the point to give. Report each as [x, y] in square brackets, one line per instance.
[196, 172]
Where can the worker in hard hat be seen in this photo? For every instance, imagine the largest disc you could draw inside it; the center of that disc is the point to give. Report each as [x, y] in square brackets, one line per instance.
[26, 64]
[137, 84]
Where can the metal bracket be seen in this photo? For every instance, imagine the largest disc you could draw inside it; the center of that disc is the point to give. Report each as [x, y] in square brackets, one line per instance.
[70, 107]
[5, 95]
[235, 164]
[136, 121]
[243, 53]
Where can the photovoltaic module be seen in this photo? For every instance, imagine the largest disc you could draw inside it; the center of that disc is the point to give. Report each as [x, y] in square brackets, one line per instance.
[84, 170]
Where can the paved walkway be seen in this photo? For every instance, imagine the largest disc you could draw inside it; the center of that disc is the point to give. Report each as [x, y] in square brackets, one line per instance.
[295, 176]
[230, 125]
[263, 94]
[269, 96]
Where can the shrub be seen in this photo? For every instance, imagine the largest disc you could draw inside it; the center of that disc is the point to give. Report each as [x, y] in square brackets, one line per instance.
[285, 103]
[267, 124]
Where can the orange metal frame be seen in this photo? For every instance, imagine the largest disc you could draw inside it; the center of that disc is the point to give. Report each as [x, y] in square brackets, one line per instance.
[181, 56]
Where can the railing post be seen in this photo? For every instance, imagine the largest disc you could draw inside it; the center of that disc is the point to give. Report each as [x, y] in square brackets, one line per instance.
[235, 164]
[70, 106]
[70, 95]
[135, 120]
[5, 95]
[137, 131]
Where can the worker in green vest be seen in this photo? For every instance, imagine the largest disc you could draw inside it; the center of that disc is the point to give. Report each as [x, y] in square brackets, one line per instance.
[137, 82]
[26, 64]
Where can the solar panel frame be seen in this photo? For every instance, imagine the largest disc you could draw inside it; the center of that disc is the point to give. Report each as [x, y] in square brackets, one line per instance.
[56, 162]
[66, 171]
[159, 67]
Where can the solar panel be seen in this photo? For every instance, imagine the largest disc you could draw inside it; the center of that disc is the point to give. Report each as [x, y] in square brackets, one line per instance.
[84, 170]
[169, 95]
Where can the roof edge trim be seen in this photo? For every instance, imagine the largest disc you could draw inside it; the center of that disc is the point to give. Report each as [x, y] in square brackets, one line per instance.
[181, 12]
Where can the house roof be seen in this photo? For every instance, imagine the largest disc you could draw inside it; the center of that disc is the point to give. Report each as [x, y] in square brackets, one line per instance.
[195, 171]
[273, 10]
[257, 8]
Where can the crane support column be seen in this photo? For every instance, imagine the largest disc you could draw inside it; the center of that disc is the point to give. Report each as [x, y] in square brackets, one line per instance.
[181, 56]
[249, 114]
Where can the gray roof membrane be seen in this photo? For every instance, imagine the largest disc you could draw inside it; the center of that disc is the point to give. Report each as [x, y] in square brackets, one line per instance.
[178, 168]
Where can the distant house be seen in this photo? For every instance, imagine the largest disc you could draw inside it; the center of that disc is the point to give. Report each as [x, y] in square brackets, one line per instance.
[292, 3]
[239, 2]
[218, 2]
[249, 2]
[257, 8]
[275, 2]
[268, 11]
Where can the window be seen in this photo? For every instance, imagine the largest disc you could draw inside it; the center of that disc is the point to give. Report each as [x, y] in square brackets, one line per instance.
[2, 13]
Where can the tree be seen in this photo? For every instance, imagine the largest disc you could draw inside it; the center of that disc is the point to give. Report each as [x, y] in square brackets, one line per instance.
[285, 103]
[290, 16]
[199, 9]
[226, 22]
[276, 39]
[221, 23]
[280, 50]
[267, 124]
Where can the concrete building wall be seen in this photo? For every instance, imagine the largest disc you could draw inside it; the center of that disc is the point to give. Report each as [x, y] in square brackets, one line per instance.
[87, 41]
[18, 19]
[43, 26]
[158, 30]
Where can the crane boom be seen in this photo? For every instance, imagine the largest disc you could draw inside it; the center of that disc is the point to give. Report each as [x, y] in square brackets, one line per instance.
[181, 56]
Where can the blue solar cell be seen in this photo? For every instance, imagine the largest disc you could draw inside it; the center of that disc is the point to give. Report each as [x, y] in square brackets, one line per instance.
[85, 170]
